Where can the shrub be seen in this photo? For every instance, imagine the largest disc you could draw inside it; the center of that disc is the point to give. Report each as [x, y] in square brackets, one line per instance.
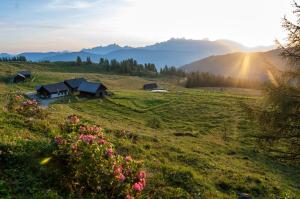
[25, 107]
[30, 108]
[13, 101]
[89, 164]
[154, 123]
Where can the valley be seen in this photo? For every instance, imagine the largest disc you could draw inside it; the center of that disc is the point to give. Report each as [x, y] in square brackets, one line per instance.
[201, 145]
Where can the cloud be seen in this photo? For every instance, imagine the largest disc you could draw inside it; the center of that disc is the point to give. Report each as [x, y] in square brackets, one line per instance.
[6, 25]
[74, 4]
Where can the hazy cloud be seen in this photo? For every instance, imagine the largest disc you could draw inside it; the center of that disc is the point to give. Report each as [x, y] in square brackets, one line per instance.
[75, 4]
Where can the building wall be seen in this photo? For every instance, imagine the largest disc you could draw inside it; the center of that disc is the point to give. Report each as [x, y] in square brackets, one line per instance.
[55, 95]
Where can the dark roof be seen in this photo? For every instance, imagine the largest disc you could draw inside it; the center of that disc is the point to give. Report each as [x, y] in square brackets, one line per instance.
[150, 86]
[55, 88]
[74, 83]
[90, 87]
[24, 73]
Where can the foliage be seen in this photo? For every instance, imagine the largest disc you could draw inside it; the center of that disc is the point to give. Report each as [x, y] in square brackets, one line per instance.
[90, 164]
[129, 66]
[172, 71]
[280, 120]
[78, 61]
[197, 79]
[88, 61]
[154, 123]
[13, 59]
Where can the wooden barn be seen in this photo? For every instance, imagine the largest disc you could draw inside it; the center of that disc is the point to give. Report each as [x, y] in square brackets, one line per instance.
[53, 90]
[21, 76]
[74, 84]
[150, 86]
[91, 89]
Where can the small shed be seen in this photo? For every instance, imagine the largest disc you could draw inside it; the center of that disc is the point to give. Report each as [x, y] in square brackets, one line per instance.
[91, 89]
[150, 86]
[74, 84]
[53, 90]
[21, 76]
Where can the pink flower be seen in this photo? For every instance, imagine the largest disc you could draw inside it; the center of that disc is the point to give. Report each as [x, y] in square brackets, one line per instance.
[109, 152]
[121, 177]
[118, 170]
[141, 175]
[101, 141]
[138, 186]
[90, 129]
[19, 97]
[87, 138]
[143, 182]
[128, 158]
[74, 147]
[73, 119]
[129, 197]
[128, 172]
[58, 140]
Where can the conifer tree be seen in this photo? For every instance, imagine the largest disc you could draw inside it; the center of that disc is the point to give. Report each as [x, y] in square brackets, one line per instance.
[78, 61]
[280, 120]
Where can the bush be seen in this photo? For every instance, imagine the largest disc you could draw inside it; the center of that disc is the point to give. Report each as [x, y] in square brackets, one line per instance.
[28, 108]
[89, 164]
[154, 123]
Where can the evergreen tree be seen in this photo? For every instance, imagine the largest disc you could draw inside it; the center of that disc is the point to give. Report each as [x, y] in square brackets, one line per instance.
[78, 61]
[280, 121]
[88, 60]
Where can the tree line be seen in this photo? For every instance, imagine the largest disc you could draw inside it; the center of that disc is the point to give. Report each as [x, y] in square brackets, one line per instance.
[197, 79]
[128, 66]
[13, 59]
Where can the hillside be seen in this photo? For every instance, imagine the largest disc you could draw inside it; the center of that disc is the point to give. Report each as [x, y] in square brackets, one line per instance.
[186, 156]
[174, 52]
[254, 65]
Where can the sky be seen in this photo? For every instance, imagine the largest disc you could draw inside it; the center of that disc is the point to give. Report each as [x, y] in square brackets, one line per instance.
[56, 25]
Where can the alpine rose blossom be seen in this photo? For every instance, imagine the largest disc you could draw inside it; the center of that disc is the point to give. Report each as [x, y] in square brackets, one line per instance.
[141, 175]
[109, 152]
[102, 141]
[129, 197]
[138, 186]
[128, 158]
[73, 119]
[58, 140]
[87, 138]
[118, 169]
[121, 177]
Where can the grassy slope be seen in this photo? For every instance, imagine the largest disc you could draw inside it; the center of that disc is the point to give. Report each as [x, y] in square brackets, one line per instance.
[201, 162]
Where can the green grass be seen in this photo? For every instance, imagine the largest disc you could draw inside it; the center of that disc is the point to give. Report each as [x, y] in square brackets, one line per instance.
[186, 157]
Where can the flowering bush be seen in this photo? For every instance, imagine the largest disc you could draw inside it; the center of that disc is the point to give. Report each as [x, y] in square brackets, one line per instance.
[26, 107]
[71, 124]
[30, 108]
[13, 101]
[91, 165]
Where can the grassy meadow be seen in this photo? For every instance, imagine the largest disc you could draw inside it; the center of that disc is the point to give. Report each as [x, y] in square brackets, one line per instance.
[195, 143]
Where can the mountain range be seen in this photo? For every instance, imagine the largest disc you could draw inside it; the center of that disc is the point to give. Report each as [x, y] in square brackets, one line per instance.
[174, 52]
[249, 65]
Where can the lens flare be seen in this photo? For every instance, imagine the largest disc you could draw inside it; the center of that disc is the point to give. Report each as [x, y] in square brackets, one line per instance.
[45, 161]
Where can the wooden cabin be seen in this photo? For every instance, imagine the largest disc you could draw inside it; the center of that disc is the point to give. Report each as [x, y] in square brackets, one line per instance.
[150, 86]
[91, 89]
[74, 84]
[53, 90]
[21, 76]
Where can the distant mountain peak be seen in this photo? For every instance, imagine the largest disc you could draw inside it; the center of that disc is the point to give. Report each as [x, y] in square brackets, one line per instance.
[103, 50]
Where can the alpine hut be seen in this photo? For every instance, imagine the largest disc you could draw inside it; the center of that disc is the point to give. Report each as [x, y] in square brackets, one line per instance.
[150, 86]
[74, 84]
[53, 90]
[91, 89]
[21, 76]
